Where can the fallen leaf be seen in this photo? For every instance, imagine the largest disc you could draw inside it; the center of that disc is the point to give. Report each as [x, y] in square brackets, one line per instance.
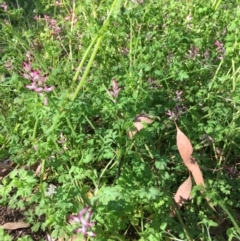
[50, 190]
[15, 225]
[138, 123]
[185, 149]
[196, 173]
[73, 238]
[5, 166]
[38, 170]
[183, 192]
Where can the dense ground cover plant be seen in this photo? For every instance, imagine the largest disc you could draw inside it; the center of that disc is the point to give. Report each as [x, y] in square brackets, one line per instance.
[74, 76]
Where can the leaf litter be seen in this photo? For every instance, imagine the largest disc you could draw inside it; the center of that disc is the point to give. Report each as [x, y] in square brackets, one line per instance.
[185, 150]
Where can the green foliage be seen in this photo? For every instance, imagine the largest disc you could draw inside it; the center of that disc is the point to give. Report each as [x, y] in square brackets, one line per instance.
[164, 56]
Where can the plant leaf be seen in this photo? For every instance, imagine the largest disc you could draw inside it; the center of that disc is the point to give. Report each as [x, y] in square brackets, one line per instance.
[15, 225]
[183, 192]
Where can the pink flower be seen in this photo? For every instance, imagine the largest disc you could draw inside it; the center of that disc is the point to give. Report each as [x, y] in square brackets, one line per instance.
[37, 79]
[171, 114]
[37, 18]
[33, 86]
[4, 6]
[57, 3]
[8, 65]
[39, 89]
[45, 101]
[84, 221]
[115, 89]
[49, 89]
[220, 49]
[27, 66]
[35, 74]
[179, 93]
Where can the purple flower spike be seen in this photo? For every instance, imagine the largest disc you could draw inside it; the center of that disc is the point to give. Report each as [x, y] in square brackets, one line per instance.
[83, 218]
[27, 66]
[4, 6]
[38, 80]
[115, 89]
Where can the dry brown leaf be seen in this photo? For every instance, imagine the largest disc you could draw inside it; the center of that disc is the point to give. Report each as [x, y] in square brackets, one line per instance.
[183, 192]
[139, 119]
[196, 173]
[38, 170]
[185, 149]
[138, 123]
[15, 225]
[5, 166]
[73, 238]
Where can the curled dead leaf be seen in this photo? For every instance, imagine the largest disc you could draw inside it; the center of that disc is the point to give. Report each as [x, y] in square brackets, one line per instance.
[15, 225]
[139, 122]
[196, 173]
[183, 192]
[185, 149]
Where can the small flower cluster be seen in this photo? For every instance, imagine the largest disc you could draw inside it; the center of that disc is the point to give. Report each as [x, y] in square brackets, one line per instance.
[38, 81]
[220, 49]
[4, 6]
[153, 84]
[85, 224]
[71, 17]
[179, 109]
[62, 140]
[84, 221]
[57, 3]
[52, 24]
[115, 90]
[193, 51]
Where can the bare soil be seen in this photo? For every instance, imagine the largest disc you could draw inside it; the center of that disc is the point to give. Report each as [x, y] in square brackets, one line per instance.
[12, 215]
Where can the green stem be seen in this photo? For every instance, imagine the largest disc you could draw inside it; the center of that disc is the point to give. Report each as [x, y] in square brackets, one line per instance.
[83, 61]
[131, 48]
[231, 218]
[90, 63]
[83, 80]
[101, 31]
[142, 225]
[71, 127]
[181, 221]
[35, 129]
[41, 178]
[215, 76]
[55, 122]
[216, 4]
[118, 237]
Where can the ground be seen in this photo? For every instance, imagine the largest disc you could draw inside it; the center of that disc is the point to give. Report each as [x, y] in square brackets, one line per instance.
[11, 215]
